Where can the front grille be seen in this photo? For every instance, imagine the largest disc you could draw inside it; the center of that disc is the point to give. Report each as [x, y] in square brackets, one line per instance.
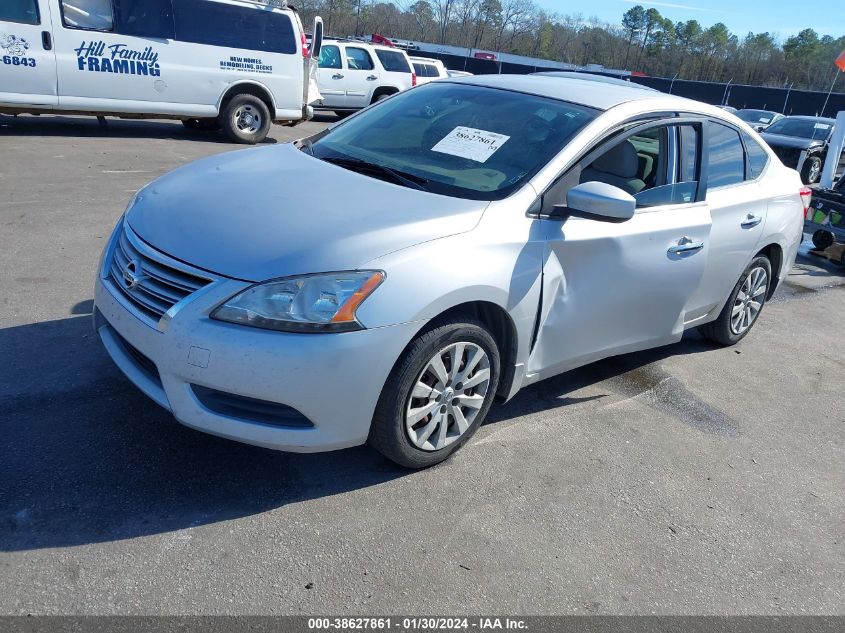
[158, 284]
[788, 156]
[143, 362]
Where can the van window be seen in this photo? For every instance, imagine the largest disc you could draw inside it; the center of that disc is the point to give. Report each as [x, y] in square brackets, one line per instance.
[144, 18]
[91, 15]
[358, 59]
[393, 61]
[330, 57]
[218, 24]
[23, 11]
[726, 165]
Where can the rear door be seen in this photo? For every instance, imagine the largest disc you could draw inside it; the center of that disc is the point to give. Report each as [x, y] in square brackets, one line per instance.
[27, 58]
[738, 208]
[611, 288]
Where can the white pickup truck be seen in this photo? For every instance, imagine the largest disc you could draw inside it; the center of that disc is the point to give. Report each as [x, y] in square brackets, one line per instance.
[232, 64]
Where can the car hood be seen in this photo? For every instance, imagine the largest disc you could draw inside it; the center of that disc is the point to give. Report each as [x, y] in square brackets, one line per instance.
[269, 212]
[791, 142]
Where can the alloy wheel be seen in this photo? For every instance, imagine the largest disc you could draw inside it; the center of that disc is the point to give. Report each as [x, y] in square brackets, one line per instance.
[749, 300]
[447, 396]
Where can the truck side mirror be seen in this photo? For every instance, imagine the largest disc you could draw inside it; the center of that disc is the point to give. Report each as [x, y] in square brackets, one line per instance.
[317, 38]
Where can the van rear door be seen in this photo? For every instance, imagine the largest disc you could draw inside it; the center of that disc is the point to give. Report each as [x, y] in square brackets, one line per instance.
[27, 58]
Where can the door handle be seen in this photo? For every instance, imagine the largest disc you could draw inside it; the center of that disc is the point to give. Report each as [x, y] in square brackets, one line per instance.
[372, 78]
[685, 245]
[46, 40]
[337, 76]
[751, 220]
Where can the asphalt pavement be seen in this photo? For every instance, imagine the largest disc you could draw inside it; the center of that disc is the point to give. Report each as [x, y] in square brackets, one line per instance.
[684, 480]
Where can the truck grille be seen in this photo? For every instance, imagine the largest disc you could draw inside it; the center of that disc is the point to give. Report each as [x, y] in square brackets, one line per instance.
[150, 282]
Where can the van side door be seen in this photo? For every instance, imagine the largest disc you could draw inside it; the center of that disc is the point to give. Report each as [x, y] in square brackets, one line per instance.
[110, 56]
[27, 57]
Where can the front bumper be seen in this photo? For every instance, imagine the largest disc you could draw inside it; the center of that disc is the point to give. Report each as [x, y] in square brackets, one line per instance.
[333, 380]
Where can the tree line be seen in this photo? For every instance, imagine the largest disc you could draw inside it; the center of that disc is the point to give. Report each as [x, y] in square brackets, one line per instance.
[643, 41]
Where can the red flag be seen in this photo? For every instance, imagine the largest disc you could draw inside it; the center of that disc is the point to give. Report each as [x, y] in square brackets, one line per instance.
[840, 62]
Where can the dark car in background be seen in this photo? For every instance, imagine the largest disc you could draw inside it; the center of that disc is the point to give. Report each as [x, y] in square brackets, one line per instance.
[801, 142]
[759, 119]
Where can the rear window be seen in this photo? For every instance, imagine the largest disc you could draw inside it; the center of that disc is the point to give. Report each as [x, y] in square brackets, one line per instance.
[23, 11]
[250, 28]
[393, 61]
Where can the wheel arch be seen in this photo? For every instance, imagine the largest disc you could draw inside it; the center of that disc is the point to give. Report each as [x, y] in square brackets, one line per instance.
[252, 88]
[774, 253]
[383, 90]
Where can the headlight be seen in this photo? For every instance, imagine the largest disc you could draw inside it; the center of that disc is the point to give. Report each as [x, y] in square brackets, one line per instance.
[309, 303]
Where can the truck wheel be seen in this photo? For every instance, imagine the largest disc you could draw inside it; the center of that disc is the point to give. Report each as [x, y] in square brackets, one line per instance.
[822, 239]
[811, 170]
[201, 125]
[245, 119]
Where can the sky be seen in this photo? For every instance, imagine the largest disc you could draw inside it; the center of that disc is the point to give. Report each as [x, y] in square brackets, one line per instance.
[826, 17]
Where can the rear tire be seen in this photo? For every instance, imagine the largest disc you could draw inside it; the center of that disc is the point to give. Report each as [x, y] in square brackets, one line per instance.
[822, 239]
[426, 411]
[245, 119]
[743, 307]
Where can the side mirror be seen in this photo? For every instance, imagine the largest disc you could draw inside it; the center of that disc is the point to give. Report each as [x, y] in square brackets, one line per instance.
[598, 201]
[317, 38]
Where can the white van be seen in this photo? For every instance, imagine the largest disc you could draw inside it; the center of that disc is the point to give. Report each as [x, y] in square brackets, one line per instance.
[353, 74]
[231, 64]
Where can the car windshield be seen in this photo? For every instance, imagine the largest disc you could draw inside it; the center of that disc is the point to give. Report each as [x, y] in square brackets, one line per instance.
[455, 139]
[816, 129]
[756, 116]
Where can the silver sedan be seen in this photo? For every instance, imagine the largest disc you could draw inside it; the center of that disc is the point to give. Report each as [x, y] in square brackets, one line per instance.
[387, 280]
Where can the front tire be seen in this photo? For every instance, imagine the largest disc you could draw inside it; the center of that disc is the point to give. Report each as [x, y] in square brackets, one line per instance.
[811, 170]
[437, 395]
[245, 119]
[743, 307]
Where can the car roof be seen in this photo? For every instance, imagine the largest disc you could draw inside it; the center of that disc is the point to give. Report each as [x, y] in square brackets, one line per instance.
[428, 60]
[568, 74]
[381, 47]
[586, 92]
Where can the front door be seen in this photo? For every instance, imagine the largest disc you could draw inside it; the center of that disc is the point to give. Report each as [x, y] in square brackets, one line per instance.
[27, 57]
[331, 77]
[611, 288]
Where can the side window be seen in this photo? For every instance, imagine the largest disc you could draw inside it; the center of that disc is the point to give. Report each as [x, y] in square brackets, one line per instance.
[657, 166]
[22, 11]
[358, 59]
[90, 15]
[232, 26]
[419, 69]
[726, 163]
[393, 61]
[144, 18]
[330, 57]
[757, 157]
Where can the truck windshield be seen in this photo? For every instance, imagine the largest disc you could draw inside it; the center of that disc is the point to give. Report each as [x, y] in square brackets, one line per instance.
[456, 139]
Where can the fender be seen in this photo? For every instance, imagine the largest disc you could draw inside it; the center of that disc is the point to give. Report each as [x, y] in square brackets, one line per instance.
[246, 82]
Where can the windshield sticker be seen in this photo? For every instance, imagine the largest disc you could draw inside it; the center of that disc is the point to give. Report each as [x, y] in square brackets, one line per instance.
[467, 142]
[765, 119]
[822, 126]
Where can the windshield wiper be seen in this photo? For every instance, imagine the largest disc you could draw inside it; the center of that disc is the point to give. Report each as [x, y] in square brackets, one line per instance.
[362, 166]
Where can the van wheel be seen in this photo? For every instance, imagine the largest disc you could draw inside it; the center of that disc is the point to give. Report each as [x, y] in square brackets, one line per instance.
[437, 395]
[245, 119]
[201, 125]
